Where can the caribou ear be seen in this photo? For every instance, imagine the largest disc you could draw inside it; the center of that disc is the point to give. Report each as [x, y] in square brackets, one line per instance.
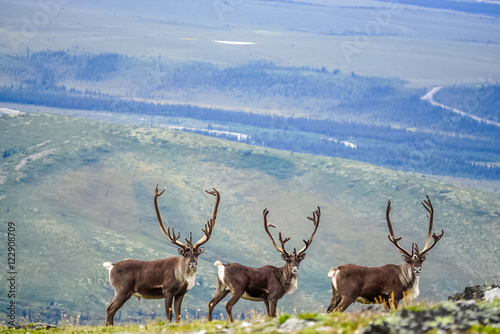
[180, 251]
[407, 258]
[302, 256]
[284, 257]
[423, 257]
[200, 250]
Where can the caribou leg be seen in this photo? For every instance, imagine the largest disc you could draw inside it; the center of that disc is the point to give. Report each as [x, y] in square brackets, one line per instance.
[336, 298]
[116, 304]
[266, 302]
[235, 296]
[177, 307]
[168, 305]
[219, 295]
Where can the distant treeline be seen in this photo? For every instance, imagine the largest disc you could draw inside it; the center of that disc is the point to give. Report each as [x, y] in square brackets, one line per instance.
[61, 316]
[373, 99]
[398, 130]
[264, 78]
[381, 145]
[47, 68]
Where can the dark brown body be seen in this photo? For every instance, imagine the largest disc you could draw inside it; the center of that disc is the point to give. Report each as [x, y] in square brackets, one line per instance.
[267, 284]
[168, 278]
[386, 285]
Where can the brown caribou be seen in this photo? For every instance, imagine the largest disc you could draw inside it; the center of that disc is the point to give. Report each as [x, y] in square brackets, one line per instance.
[385, 285]
[167, 278]
[268, 283]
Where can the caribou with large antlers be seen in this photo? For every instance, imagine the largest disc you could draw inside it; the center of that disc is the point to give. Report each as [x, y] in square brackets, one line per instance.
[385, 285]
[167, 278]
[268, 283]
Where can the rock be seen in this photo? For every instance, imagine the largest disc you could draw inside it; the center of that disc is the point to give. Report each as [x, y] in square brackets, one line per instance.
[36, 326]
[328, 329]
[449, 317]
[476, 292]
[472, 292]
[245, 324]
[294, 325]
[492, 294]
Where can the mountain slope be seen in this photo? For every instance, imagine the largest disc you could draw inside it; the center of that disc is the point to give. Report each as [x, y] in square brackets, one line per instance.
[81, 193]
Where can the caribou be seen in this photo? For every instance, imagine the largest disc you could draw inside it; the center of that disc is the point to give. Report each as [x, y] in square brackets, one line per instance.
[169, 278]
[385, 285]
[268, 283]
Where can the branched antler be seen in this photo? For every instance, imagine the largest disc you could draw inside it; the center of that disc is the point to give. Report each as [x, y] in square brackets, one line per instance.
[428, 206]
[209, 226]
[173, 238]
[266, 228]
[392, 237]
[430, 209]
[315, 220]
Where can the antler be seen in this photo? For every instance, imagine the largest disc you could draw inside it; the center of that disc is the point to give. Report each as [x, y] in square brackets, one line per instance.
[428, 206]
[391, 236]
[209, 226]
[315, 220]
[266, 227]
[173, 239]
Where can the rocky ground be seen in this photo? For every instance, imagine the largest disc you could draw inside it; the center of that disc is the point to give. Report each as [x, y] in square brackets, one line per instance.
[450, 317]
[477, 292]
[463, 313]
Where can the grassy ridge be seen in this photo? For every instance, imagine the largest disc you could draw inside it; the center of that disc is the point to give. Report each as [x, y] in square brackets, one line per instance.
[483, 317]
[84, 196]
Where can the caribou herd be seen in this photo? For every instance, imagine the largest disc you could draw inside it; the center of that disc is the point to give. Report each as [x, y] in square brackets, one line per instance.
[170, 279]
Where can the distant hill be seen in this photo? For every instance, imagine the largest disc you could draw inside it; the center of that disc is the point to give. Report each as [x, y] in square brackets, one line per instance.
[80, 193]
[480, 7]
[377, 120]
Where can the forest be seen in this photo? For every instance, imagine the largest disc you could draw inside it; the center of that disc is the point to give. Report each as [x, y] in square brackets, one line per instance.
[385, 122]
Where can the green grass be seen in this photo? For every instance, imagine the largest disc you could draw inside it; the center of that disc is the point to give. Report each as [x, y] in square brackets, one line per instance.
[90, 201]
[346, 323]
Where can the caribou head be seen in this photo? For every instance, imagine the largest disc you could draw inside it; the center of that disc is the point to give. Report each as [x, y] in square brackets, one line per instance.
[416, 257]
[188, 250]
[292, 259]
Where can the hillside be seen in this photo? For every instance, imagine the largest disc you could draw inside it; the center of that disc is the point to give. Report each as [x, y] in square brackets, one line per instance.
[80, 193]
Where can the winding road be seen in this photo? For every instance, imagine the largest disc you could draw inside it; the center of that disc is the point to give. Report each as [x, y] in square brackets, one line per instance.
[429, 97]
